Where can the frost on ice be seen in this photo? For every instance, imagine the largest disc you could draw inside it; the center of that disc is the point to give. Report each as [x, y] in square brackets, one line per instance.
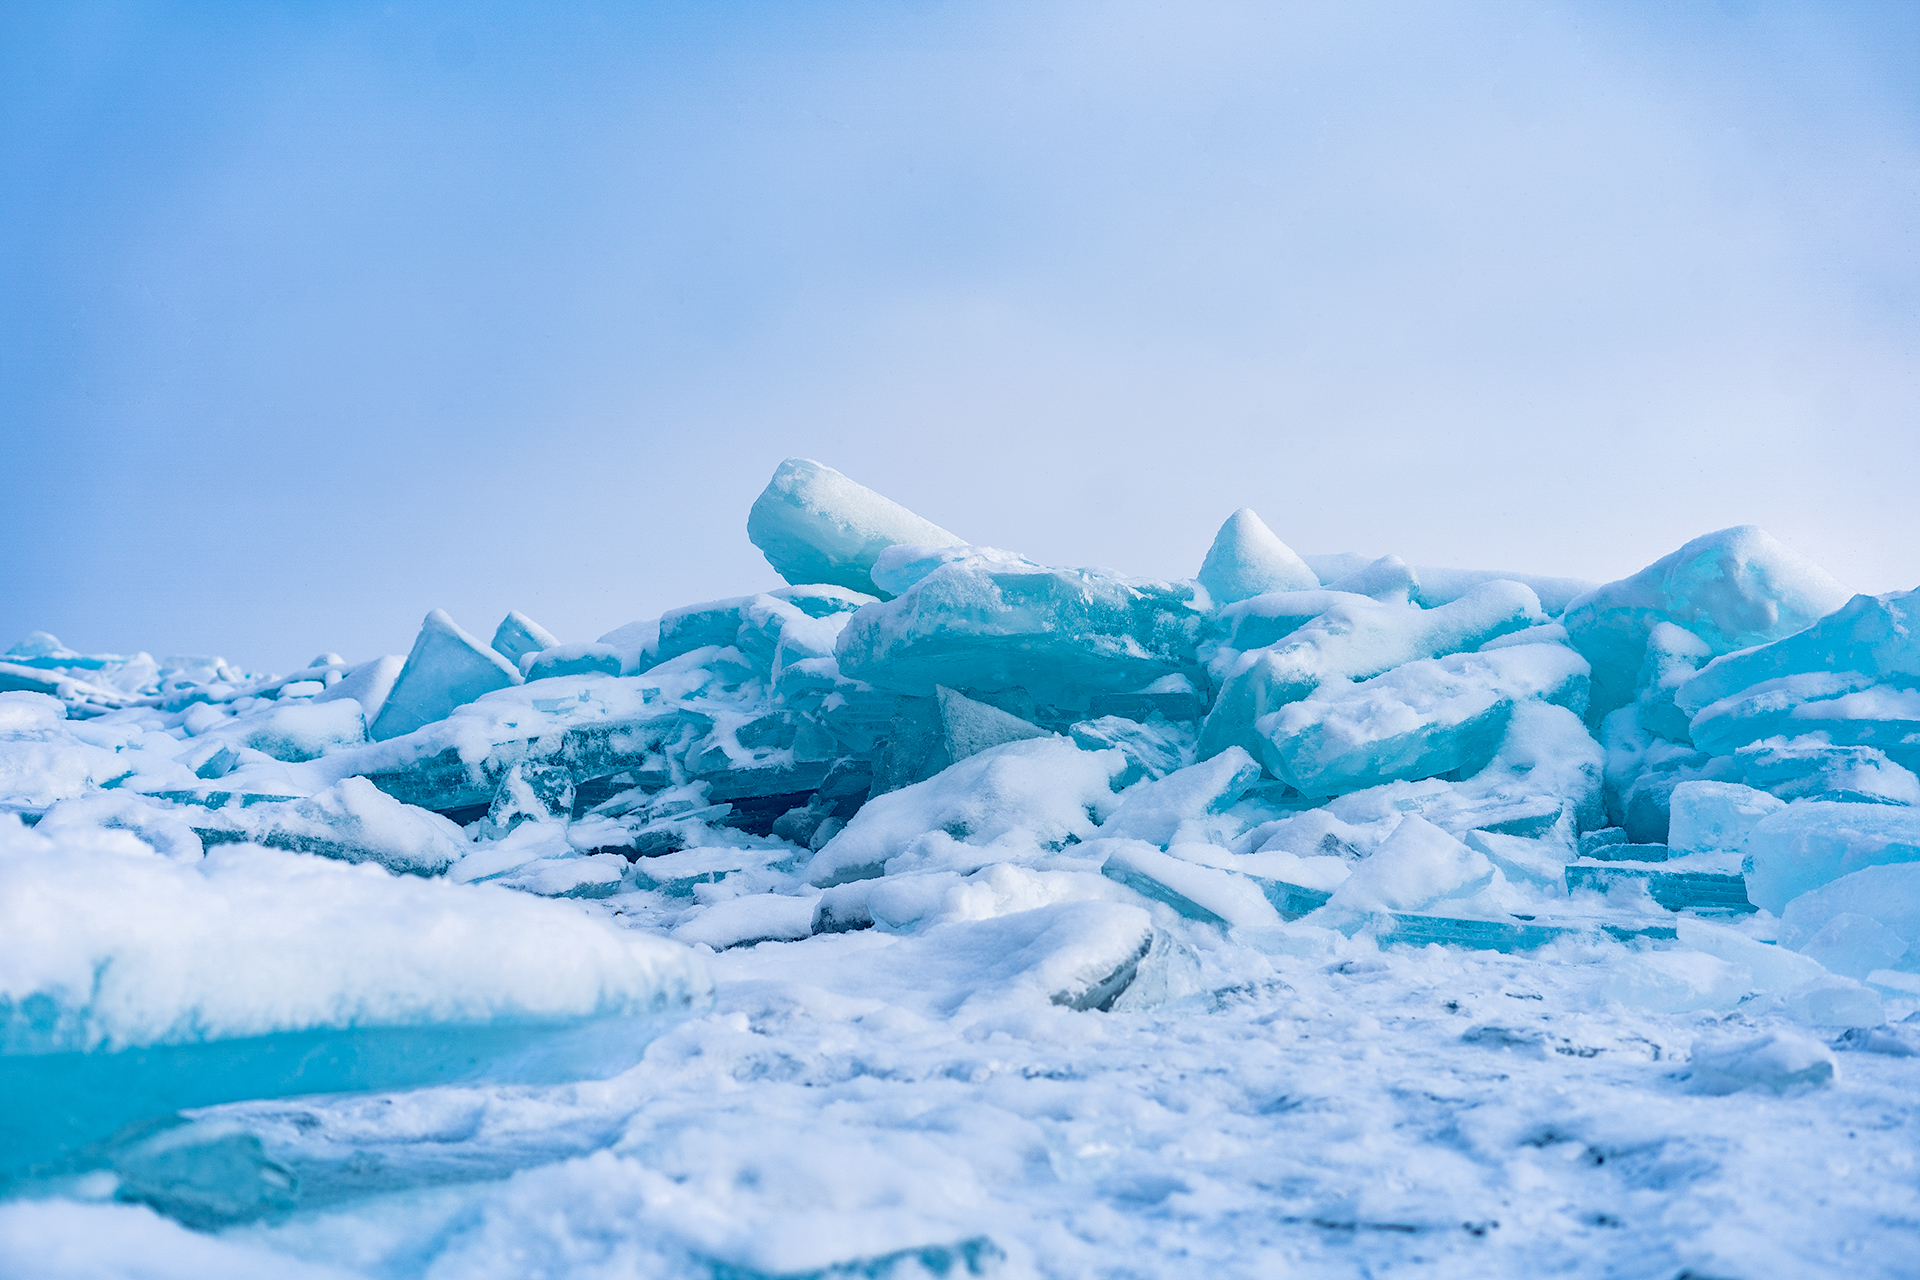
[880, 922]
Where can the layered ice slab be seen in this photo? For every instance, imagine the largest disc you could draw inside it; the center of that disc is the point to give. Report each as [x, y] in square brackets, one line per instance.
[815, 525]
[988, 624]
[133, 985]
[446, 670]
[1731, 589]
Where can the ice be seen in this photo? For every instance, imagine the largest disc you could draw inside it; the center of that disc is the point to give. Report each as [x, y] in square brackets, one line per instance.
[1057, 635]
[1154, 811]
[446, 669]
[1153, 749]
[745, 921]
[1420, 720]
[1248, 560]
[354, 821]
[1417, 867]
[1778, 1062]
[815, 525]
[106, 948]
[1863, 921]
[1710, 816]
[26, 712]
[1435, 585]
[518, 635]
[1810, 767]
[1815, 842]
[572, 660]
[1870, 635]
[368, 684]
[1030, 794]
[1388, 579]
[1731, 589]
[1193, 889]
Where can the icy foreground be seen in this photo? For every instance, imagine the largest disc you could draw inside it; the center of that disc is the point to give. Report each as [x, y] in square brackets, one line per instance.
[947, 913]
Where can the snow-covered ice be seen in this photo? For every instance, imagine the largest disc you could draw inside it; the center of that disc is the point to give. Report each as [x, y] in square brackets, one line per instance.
[943, 912]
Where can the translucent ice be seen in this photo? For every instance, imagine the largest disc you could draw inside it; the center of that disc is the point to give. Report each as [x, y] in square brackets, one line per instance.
[518, 635]
[1153, 811]
[1389, 579]
[1812, 768]
[1778, 1062]
[368, 684]
[1867, 920]
[1247, 560]
[1045, 791]
[1059, 635]
[1418, 866]
[1731, 589]
[1710, 816]
[1153, 748]
[446, 669]
[1420, 720]
[572, 660]
[815, 525]
[1877, 637]
[354, 821]
[1815, 842]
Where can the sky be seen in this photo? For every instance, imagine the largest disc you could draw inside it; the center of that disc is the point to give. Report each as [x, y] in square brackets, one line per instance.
[316, 317]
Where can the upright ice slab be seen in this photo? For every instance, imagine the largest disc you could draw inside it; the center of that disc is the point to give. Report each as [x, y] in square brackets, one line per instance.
[815, 525]
[446, 669]
[1248, 560]
[1731, 589]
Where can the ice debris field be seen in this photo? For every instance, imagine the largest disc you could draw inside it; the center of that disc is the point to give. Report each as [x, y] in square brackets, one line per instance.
[943, 913]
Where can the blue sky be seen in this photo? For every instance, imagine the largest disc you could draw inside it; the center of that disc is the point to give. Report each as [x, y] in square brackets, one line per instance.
[315, 317]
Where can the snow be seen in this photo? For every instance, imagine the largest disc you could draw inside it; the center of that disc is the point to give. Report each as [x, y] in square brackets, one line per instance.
[1035, 920]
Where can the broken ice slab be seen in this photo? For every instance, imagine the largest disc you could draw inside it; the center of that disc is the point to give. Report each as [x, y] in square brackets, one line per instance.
[815, 525]
[1437, 586]
[1875, 637]
[1173, 698]
[1154, 811]
[1845, 707]
[1060, 635]
[1196, 891]
[677, 874]
[1354, 639]
[1732, 589]
[1702, 892]
[1247, 559]
[1812, 768]
[368, 684]
[518, 635]
[1153, 748]
[927, 734]
[1420, 720]
[747, 921]
[975, 1256]
[352, 821]
[1708, 816]
[776, 627]
[82, 698]
[572, 660]
[1815, 842]
[446, 669]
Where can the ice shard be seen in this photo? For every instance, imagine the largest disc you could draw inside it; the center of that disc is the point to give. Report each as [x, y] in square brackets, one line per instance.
[815, 525]
[446, 669]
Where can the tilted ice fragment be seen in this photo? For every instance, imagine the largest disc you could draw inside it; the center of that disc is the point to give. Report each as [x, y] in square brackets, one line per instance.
[446, 669]
[1388, 579]
[1673, 655]
[1195, 890]
[1420, 720]
[1878, 636]
[1710, 816]
[1153, 749]
[1153, 811]
[1418, 866]
[159, 825]
[1846, 707]
[1247, 560]
[1815, 842]
[1045, 787]
[301, 730]
[368, 684]
[1811, 768]
[899, 567]
[518, 635]
[1779, 1062]
[256, 973]
[572, 660]
[353, 821]
[1886, 896]
[1356, 638]
[1734, 588]
[1058, 634]
[815, 525]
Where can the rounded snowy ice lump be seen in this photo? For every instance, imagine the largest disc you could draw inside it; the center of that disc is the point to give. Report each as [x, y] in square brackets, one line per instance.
[120, 948]
[1047, 788]
[1815, 842]
[1710, 816]
[815, 525]
[1734, 588]
[21, 711]
[1247, 560]
[1418, 865]
[1778, 1061]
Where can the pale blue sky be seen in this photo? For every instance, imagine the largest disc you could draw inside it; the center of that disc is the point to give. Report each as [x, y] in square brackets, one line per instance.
[315, 317]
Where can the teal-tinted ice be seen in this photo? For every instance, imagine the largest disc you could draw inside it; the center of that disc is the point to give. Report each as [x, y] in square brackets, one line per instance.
[1060, 635]
[815, 525]
[518, 635]
[1731, 589]
[1813, 843]
[1247, 559]
[447, 668]
[1420, 720]
[1877, 637]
